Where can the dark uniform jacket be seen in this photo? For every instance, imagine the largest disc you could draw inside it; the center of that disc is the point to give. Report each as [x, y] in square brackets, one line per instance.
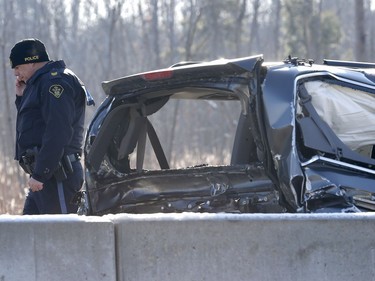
[50, 117]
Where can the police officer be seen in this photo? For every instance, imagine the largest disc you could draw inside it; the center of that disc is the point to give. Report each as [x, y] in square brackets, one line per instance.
[50, 101]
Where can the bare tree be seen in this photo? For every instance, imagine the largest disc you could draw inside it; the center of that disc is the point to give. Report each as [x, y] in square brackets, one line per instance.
[307, 13]
[254, 27]
[145, 38]
[193, 15]
[276, 16]
[170, 8]
[238, 28]
[360, 39]
[155, 32]
[114, 14]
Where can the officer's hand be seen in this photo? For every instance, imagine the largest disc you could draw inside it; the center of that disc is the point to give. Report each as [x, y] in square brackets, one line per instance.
[35, 185]
[20, 87]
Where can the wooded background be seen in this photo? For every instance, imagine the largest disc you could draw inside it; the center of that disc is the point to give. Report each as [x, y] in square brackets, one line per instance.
[103, 40]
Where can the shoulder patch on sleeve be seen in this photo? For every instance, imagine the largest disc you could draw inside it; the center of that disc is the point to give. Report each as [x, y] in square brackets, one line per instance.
[54, 73]
[56, 90]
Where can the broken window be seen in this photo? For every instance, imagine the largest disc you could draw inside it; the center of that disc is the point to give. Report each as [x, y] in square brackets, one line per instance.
[349, 112]
[192, 132]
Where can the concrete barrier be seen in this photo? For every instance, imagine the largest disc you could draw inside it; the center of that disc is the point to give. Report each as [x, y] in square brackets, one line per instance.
[188, 247]
[245, 247]
[56, 247]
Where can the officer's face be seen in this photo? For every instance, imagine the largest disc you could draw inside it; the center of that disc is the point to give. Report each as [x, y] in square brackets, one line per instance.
[23, 72]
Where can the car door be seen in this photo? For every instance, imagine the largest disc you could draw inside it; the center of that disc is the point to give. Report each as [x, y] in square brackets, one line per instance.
[336, 136]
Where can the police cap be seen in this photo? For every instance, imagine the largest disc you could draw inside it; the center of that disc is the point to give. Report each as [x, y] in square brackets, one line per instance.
[28, 51]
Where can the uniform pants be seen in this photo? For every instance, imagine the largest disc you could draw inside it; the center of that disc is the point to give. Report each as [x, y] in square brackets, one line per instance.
[51, 200]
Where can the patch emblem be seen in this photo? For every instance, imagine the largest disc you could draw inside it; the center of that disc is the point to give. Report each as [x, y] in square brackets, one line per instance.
[56, 90]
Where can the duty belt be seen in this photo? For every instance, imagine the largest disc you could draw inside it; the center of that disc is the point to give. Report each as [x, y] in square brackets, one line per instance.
[27, 162]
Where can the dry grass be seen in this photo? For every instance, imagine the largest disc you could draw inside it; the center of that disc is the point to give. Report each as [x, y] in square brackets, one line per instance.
[12, 188]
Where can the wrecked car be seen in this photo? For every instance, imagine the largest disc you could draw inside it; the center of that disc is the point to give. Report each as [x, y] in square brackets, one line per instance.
[289, 136]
